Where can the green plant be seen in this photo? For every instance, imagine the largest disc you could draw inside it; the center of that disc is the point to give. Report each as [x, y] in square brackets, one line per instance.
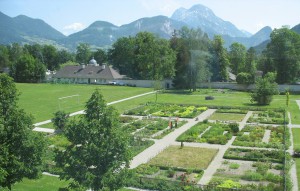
[234, 165]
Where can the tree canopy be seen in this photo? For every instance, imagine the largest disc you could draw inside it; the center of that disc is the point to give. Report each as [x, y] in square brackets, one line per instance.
[144, 56]
[21, 148]
[98, 156]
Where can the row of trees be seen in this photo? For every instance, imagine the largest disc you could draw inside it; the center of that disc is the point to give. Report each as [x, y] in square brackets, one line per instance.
[189, 57]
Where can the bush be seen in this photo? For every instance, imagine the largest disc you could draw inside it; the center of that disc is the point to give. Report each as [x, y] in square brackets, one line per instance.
[209, 97]
[234, 166]
[234, 127]
[244, 78]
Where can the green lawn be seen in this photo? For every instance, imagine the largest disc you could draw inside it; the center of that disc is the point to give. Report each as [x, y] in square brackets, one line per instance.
[186, 157]
[296, 135]
[45, 183]
[298, 169]
[42, 100]
[227, 117]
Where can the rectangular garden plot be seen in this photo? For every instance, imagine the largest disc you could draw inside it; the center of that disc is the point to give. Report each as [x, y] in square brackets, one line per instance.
[174, 168]
[251, 169]
[267, 117]
[213, 133]
[167, 110]
[263, 137]
[184, 157]
[249, 175]
[235, 117]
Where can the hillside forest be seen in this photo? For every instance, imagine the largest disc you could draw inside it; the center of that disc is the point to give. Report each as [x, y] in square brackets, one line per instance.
[189, 57]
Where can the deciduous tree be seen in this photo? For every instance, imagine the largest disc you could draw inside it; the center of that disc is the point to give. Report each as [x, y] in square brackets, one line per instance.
[21, 148]
[98, 156]
[264, 90]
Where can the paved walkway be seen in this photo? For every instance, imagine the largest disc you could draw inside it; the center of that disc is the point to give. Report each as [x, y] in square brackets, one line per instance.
[47, 130]
[161, 144]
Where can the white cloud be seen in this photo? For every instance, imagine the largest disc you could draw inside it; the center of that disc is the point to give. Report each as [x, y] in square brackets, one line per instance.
[72, 28]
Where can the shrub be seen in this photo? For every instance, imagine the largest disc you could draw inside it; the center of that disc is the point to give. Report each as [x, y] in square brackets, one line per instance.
[234, 166]
[234, 127]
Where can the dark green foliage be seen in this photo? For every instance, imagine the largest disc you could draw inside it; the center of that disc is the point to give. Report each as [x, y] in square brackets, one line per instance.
[282, 55]
[144, 56]
[60, 119]
[98, 156]
[192, 55]
[244, 78]
[264, 90]
[234, 127]
[27, 69]
[83, 53]
[219, 60]
[237, 57]
[21, 149]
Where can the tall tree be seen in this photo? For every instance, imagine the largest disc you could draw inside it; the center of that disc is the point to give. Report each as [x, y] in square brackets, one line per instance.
[83, 53]
[27, 69]
[283, 54]
[50, 57]
[219, 61]
[100, 56]
[122, 56]
[4, 57]
[21, 148]
[264, 90]
[191, 66]
[64, 56]
[237, 57]
[143, 57]
[98, 156]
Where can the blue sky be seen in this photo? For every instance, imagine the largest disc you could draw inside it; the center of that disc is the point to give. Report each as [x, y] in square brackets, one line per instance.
[68, 16]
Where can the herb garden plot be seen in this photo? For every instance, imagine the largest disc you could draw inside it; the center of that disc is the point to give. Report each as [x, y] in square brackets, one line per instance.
[252, 136]
[214, 133]
[167, 110]
[251, 169]
[152, 128]
[234, 117]
[267, 117]
[249, 175]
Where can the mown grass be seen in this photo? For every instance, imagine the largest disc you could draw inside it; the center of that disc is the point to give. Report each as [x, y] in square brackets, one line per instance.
[184, 157]
[297, 160]
[227, 117]
[42, 100]
[296, 135]
[45, 183]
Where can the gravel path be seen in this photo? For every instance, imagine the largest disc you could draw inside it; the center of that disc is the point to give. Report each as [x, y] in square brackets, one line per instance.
[266, 137]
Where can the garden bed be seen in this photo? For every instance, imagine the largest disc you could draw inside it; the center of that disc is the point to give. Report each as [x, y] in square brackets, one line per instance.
[252, 136]
[248, 174]
[167, 110]
[267, 117]
[213, 133]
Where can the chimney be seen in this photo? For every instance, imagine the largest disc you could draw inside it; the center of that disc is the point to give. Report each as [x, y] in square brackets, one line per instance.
[82, 65]
[103, 67]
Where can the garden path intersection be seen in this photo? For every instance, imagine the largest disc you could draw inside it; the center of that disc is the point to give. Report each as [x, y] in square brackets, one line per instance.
[170, 139]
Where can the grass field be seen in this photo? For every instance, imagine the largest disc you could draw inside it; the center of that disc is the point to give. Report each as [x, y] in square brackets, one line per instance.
[296, 135]
[45, 183]
[42, 100]
[227, 117]
[186, 157]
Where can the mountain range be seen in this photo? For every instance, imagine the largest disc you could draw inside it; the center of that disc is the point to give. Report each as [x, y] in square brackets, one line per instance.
[23, 29]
